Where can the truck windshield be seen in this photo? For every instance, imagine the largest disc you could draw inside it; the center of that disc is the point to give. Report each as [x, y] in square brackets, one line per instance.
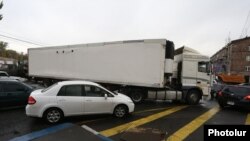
[203, 67]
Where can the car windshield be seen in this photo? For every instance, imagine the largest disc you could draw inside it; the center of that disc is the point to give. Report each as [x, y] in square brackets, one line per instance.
[46, 89]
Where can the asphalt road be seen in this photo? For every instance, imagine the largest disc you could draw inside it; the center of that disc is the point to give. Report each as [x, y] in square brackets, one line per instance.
[150, 121]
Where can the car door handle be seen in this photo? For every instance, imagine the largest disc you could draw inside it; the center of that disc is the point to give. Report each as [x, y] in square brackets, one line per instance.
[198, 82]
[88, 100]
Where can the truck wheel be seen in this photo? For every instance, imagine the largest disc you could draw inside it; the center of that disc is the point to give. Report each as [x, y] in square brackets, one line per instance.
[137, 96]
[193, 97]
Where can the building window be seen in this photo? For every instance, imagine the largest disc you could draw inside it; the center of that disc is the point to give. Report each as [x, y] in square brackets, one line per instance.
[247, 68]
[248, 58]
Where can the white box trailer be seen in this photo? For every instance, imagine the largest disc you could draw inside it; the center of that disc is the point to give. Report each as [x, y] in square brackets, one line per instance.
[136, 63]
[138, 68]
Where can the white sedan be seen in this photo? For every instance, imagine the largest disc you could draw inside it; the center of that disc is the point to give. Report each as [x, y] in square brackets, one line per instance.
[71, 98]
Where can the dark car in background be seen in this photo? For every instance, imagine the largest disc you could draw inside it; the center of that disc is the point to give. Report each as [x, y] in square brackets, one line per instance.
[234, 95]
[14, 93]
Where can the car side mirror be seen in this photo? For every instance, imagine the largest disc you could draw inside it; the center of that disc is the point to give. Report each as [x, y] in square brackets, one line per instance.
[106, 96]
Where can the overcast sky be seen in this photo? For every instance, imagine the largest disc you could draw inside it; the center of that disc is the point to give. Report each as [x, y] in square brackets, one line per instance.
[200, 24]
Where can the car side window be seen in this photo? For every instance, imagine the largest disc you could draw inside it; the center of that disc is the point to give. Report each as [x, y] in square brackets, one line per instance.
[70, 90]
[14, 87]
[93, 91]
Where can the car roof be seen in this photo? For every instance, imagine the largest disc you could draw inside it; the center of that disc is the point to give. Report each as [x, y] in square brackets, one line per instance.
[238, 86]
[77, 82]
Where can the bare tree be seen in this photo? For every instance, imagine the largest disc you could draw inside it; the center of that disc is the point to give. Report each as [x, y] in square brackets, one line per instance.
[1, 5]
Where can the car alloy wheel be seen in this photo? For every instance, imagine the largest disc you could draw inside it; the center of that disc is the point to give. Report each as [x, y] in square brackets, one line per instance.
[53, 115]
[120, 111]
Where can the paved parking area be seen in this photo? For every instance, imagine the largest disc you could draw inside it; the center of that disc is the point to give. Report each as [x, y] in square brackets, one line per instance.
[150, 121]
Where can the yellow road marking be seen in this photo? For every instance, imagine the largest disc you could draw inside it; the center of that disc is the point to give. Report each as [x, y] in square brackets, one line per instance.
[121, 128]
[248, 119]
[185, 131]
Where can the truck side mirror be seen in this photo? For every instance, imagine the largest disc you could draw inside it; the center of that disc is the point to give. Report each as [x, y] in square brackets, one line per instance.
[106, 96]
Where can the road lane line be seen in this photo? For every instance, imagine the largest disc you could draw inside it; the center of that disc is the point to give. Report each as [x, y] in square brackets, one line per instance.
[96, 133]
[126, 126]
[189, 128]
[248, 119]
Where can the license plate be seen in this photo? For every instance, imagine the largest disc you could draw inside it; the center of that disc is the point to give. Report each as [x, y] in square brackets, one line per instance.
[230, 102]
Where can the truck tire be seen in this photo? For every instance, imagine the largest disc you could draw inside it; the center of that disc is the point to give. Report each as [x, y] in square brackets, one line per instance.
[137, 96]
[193, 97]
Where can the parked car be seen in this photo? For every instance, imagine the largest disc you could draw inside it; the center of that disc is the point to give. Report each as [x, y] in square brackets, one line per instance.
[13, 93]
[234, 95]
[5, 75]
[71, 98]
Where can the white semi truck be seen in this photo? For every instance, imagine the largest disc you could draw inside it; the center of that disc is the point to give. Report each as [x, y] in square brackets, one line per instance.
[142, 69]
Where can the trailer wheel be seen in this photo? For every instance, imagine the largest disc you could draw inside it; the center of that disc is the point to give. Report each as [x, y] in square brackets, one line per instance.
[193, 97]
[137, 96]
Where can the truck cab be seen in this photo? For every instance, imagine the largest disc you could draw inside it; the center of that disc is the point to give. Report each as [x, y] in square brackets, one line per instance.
[191, 73]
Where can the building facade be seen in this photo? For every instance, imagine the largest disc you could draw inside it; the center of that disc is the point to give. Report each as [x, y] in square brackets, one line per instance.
[234, 58]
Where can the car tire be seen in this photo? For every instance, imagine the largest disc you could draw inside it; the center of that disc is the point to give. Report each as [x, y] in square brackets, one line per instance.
[193, 97]
[221, 104]
[120, 111]
[53, 115]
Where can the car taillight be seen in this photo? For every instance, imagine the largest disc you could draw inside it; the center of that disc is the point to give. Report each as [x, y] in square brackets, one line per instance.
[220, 93]
[247, 97]
[31, 100]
